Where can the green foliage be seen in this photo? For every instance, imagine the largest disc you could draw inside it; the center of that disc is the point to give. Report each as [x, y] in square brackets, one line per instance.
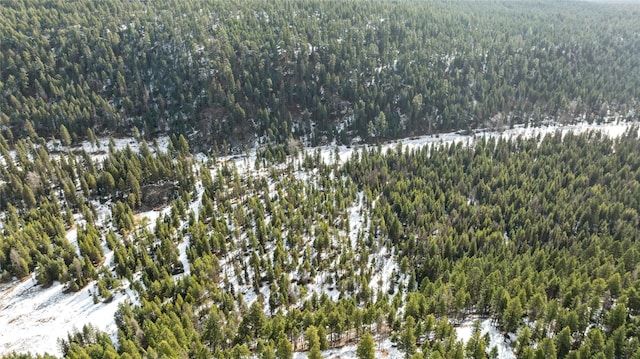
[542, 205]
[477, 346]
[512, 314]
[539, 231]
[386, 69]
[253, 323]
[366, 347]
[284, 349]
[87, 342]
[407, 341]
[563, 342]
[546, 349]
[313, 342]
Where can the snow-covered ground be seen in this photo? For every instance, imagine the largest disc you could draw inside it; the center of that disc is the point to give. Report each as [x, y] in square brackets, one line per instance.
[612, 130]
[385, 267]
[32, 318]
[100, 151]
[244, 163]
[464, 332]
[384, 349]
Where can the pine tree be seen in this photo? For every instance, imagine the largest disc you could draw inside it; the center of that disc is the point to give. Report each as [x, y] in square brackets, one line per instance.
[476, 346]
[92, 138]
[284, 348]
[311, 334]
[322, 335]
[408, 337]
[513, 314]
[20, 267]
[366, 347]
[546, 349]
[65, 136]
[563, 342]
[253, 323]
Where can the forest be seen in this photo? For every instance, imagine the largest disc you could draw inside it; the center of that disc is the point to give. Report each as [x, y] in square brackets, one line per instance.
[227, 74]
[539, 234]
[164, 155]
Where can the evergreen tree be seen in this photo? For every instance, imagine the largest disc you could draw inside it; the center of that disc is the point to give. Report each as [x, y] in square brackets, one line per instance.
[366, 347]
[65, 136]
[563, 342]
[311, 334]
[284, 349]
[407, 342]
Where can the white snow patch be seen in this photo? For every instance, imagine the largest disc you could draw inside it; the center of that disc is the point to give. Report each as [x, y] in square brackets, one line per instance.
[384, 349]
[152, 215]
[464, 332]
[356, 220]
[100, 151]
[612, 130]
[385, 268]
[34, 317]
[72, 237]
[182, 247]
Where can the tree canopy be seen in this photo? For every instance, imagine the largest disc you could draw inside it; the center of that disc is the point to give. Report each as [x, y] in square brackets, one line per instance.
[224, 72]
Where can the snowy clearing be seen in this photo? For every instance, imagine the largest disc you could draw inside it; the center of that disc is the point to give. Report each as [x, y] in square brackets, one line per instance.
[33, 318]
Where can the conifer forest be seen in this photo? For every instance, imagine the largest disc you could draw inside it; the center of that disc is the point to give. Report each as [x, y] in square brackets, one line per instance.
[319, 179]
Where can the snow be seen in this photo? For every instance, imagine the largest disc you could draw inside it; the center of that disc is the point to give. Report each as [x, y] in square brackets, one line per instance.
[103, 211]
[384, 349]
[244, 164]
[34, 318]
[356, 220]
[386, 267]
[182, 247]
[612, 130]
[320, 285]
[151, 216]
[72, 237]
[101, 151]
[464, 332]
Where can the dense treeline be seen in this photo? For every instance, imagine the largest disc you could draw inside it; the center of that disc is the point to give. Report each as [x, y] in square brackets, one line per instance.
[226, 70]
[539, 234]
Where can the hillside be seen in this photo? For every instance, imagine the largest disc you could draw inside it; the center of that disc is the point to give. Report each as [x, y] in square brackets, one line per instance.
[226, 74]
